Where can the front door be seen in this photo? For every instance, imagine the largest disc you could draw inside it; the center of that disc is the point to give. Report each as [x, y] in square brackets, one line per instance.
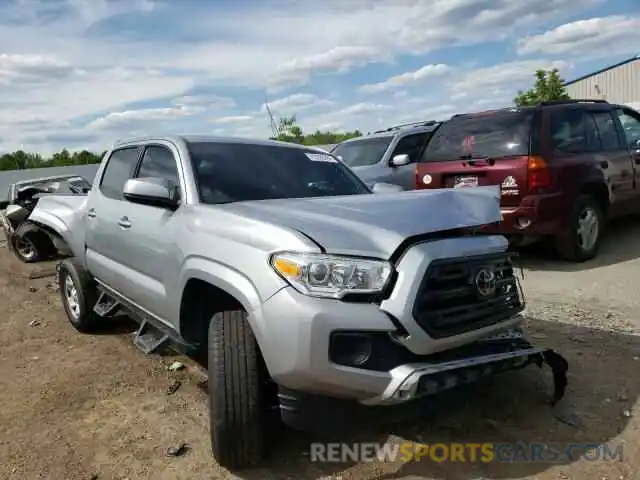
[411, 145]
[630, 123]
[613, 152]
[152, 254]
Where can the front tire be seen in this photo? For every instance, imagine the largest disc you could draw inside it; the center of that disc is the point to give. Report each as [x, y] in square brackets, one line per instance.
[79, 294]
[29, 243]
[236, 406]
[586, 225]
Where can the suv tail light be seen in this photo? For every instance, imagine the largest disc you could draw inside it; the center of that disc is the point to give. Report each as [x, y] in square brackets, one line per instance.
[538, 177]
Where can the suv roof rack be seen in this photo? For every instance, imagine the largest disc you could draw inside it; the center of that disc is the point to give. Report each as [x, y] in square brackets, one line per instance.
[428, 123]
[577, 100]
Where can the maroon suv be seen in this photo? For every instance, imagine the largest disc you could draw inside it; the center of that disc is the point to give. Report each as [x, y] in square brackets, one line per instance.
[564, 168]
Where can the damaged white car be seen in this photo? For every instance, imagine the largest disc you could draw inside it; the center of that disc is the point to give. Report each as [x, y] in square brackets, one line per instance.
[29, 240]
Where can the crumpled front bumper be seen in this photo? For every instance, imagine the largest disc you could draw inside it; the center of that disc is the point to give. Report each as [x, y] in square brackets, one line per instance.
[507, 351]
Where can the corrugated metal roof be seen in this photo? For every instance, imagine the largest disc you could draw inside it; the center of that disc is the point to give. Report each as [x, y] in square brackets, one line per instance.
[9, 177]
[602, 70]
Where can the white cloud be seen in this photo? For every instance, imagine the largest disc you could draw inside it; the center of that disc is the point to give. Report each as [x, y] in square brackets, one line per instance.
[232, 119]
[86, 92]
[204, 101]
[407, 78]
[18, 69]
[295, 103]
[493, 80]
[611, 35]
[91, 72]
[132, 118]
[337, 59]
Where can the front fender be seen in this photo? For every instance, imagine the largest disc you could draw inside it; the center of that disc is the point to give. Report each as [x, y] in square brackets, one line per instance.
[231, 281]
[64, 216]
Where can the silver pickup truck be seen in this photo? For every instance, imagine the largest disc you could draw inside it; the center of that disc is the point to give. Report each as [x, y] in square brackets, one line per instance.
[306, 290]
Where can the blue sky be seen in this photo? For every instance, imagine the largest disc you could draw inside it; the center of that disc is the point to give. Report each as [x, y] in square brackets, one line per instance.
[83, 73]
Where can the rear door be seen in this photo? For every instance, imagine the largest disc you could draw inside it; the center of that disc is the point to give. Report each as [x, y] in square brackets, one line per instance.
[105, 207]
[489, 148]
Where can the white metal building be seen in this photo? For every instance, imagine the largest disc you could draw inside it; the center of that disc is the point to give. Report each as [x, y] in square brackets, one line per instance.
[619, 83]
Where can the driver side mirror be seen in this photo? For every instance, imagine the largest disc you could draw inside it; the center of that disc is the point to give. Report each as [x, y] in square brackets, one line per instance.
[400, 160]
[155, 192]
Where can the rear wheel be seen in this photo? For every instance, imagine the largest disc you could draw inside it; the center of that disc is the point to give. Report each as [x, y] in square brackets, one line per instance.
[582, 240]
[79, 295]
[236, 406]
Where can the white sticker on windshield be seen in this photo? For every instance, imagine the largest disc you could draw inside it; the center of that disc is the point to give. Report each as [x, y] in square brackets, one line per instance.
[320, 157]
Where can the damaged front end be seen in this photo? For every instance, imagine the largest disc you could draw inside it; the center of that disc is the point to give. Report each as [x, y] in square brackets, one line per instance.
[28, 239]
[471, 363]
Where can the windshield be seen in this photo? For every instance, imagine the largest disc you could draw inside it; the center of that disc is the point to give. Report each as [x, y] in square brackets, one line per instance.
[492, 135]
[367, 151]
[236, 172]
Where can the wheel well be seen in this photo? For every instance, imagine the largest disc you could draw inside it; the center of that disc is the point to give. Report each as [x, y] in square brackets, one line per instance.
[600, 192]
[200, 301]
[57, 242]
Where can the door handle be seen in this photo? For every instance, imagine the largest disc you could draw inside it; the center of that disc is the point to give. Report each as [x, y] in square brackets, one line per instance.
[124, 223]
[91, 213]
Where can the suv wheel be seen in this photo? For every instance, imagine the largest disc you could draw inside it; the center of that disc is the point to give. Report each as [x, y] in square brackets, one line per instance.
[235, 391]
[79, 295]
[582, 241]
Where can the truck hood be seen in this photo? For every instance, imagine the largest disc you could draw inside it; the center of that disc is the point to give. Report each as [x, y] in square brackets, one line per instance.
[376, 224]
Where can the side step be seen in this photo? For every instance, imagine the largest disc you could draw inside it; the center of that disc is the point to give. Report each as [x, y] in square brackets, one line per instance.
[106, 305]
[149, 339]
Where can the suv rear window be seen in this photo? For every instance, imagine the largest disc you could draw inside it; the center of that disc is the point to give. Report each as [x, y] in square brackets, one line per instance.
[492, 135]
[368, 151]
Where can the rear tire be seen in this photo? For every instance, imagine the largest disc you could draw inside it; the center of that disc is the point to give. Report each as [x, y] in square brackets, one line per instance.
[236, 407]
[586, 226]
[30, 244]
[79, 294]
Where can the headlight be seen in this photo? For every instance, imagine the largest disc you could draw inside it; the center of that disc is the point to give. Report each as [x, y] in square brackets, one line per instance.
[331, 276]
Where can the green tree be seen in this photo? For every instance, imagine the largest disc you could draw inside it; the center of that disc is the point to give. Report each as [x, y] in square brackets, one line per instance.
[548, 86]
[288, 130]
[20, 159]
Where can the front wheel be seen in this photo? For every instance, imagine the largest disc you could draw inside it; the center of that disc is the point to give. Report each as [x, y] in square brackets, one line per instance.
[30, 243]
[236, 407]
[582, 240]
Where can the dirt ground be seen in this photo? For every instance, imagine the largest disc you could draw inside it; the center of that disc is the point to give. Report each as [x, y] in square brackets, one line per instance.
[86, 407]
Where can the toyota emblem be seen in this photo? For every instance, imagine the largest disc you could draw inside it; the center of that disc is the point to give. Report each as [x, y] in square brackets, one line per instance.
[485, 282]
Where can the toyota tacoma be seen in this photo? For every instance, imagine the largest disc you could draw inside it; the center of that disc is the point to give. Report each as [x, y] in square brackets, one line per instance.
[300, 285]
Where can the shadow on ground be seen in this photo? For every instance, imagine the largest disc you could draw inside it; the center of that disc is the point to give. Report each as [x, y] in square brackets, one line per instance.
[620, 244]
[509, 408]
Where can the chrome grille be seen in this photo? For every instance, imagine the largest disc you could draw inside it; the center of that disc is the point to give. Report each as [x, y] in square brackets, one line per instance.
[464, 294]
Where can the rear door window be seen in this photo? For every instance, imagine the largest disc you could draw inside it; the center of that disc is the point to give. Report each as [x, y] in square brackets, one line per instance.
[488, 135]
[119, 169]
[568, 131]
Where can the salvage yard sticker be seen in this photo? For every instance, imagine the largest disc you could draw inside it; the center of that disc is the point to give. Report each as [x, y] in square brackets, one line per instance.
[320, 157]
